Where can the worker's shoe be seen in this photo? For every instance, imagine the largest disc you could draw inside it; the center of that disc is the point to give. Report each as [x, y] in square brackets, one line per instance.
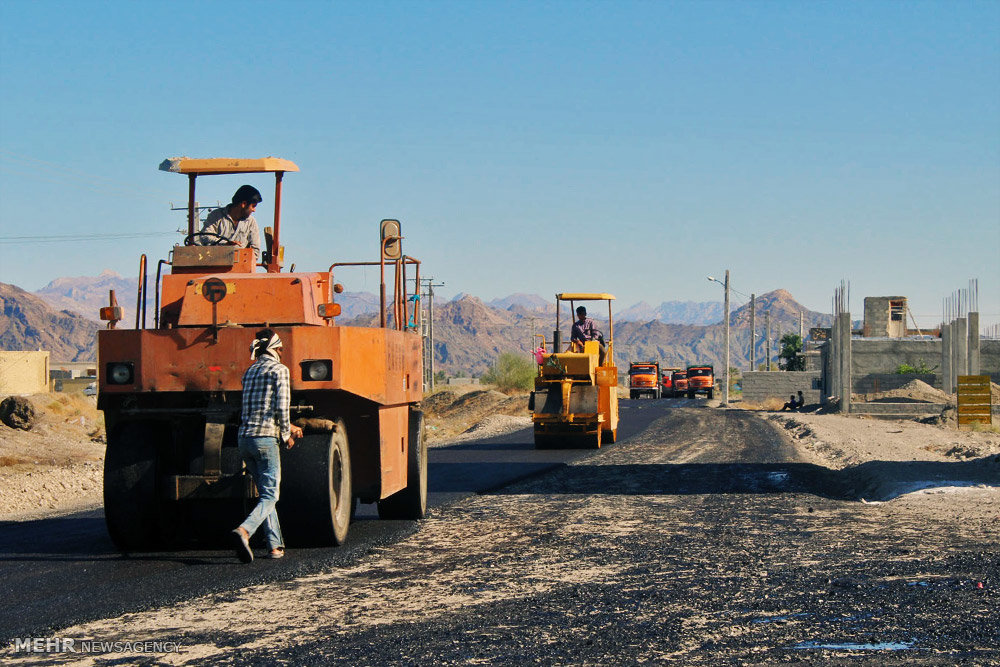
[241, 546]
[275, 554]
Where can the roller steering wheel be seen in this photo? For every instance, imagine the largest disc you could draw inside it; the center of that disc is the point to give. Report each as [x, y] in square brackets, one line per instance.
[219, 238]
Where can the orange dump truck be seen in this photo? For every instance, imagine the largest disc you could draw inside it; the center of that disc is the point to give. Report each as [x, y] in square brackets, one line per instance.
[171, 393]
[643, 379]
[701, 380]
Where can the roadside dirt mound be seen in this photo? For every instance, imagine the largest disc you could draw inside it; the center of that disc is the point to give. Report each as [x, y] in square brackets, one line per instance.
[68, 430]
[912, 391]
[57, 465]
[495, 425]
[450, 414]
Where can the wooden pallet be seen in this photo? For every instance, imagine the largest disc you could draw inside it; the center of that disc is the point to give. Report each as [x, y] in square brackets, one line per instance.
[974, 401]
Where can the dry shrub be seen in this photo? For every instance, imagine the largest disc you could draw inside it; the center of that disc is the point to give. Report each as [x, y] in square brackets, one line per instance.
[770, 405]
[976, 427]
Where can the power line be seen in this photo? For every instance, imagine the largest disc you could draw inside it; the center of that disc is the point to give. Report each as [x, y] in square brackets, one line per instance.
[19, 240]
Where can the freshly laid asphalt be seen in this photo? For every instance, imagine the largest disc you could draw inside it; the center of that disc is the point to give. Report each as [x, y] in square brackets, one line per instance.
[62, 571]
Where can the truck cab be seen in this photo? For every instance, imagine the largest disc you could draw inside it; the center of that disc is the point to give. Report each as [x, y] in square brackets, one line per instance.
[679, 379]
[701, 380]
[643, 377]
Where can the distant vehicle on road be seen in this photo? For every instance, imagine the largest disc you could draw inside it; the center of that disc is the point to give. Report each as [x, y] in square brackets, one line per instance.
[680, 381]
[643, 379]
[90, 389]
[701, 380]
[667, 381]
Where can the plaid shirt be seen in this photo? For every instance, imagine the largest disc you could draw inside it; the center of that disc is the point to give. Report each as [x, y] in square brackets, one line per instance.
[266, 398]
[584, 330]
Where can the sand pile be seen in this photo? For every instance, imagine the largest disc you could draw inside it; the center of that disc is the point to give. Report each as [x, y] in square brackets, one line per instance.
[914, 390]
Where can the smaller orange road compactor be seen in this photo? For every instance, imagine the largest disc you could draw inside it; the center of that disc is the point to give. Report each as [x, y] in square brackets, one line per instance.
[575, 402]
[171, 393]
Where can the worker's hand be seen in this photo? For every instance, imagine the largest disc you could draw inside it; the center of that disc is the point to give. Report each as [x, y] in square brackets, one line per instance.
[295, 435]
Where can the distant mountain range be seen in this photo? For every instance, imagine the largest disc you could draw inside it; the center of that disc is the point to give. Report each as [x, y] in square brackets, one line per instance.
[85, 295]
[469, 334]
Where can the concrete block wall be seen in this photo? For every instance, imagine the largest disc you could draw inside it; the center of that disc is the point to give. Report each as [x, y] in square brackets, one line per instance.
[877, 382]
[989, 358]
[759, 386]
[884, 355]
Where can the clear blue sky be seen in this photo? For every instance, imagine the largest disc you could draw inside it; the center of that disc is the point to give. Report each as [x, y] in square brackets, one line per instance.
[627, 147]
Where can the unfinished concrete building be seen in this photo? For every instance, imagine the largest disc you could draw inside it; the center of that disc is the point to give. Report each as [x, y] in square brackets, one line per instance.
[885, 317]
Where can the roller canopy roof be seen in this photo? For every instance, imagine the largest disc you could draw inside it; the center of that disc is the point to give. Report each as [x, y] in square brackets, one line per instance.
[584, 296]
[226, 165]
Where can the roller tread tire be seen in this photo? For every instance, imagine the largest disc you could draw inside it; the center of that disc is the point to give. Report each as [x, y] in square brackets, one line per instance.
[316, 499]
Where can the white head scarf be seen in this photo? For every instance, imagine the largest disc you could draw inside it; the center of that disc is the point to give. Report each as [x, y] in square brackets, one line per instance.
[265, 346]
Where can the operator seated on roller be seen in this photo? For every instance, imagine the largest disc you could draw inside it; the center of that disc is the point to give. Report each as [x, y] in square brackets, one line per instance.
[584, 330]
[234, 224]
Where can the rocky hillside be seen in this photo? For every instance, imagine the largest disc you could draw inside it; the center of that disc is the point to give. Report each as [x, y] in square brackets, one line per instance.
[29, 323]
[679, 345]
[469, 334]
[85, 295]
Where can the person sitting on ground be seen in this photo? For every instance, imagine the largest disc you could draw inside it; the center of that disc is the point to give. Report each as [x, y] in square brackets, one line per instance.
[234, 223]
[791, 405]
[801, 401]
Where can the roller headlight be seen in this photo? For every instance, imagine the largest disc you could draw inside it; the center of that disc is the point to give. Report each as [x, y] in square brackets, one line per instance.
[317, 370]
[120, 372]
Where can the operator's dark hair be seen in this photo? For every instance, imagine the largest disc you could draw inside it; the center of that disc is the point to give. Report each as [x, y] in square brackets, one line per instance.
[247, 193]
[580, 310]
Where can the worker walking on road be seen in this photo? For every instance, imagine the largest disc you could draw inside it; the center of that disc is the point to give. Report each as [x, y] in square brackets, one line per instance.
[265, 424]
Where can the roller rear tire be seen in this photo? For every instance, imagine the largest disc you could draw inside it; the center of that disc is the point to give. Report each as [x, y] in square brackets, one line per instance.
[131, 503]
[315, 499]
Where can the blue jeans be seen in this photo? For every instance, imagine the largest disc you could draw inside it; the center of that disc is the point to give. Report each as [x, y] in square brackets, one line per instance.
[263, 460]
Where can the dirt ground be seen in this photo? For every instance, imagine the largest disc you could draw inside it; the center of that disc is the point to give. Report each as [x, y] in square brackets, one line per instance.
[56, 467]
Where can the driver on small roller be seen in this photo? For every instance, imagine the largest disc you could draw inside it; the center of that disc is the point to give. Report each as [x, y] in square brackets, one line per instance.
[584, 330]
[234, 223]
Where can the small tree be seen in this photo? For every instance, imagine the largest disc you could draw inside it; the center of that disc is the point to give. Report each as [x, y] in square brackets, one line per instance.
[791, 347]
[511, 372]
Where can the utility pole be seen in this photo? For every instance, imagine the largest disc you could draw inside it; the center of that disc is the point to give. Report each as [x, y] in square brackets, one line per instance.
[725, 375]
[767, 341]
[801, 325]
[753, 332]
[430, 285]
[725, 388]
